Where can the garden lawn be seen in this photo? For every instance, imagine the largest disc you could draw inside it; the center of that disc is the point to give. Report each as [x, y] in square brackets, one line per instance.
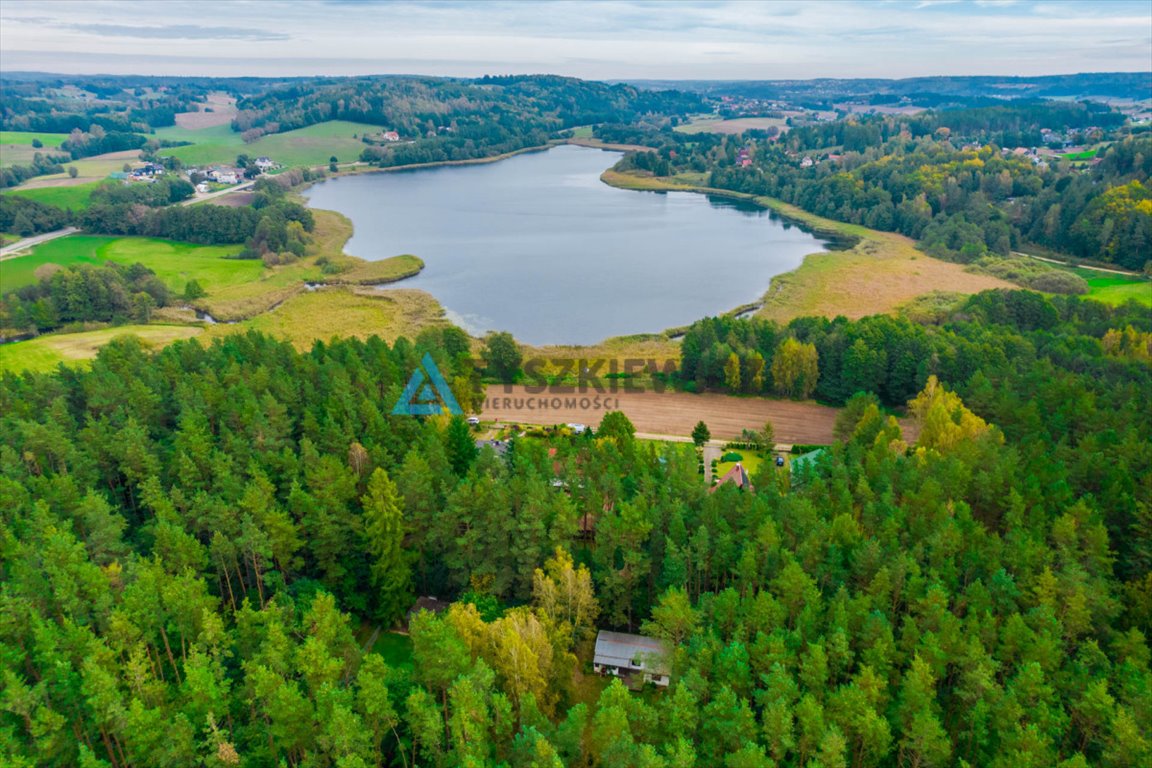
[751, 462]
[174, 263]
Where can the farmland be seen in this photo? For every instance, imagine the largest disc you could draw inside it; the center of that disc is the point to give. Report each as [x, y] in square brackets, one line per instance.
[734, 126]
[672, 413]
[313, 145]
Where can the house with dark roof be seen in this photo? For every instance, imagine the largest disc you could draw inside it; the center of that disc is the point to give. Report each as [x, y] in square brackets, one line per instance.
[632, 656]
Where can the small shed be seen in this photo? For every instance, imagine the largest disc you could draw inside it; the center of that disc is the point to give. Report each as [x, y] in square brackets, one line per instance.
[623, 655]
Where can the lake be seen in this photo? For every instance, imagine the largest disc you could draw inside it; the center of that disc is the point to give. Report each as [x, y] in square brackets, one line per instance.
[539, 246]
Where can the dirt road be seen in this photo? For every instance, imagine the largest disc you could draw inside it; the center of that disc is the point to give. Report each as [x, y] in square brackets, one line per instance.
[668, 413]
[1124, 272]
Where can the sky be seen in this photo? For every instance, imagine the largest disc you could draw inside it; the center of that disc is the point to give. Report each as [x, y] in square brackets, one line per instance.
[595, 39]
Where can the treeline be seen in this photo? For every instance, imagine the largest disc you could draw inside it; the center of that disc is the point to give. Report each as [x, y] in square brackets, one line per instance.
[964, 204]
[417, 107]
[1015, 124]
[114, 104]
[26, 217]
[107, 293]
[186, 532]
[273, 228]
[97, 141]
[42, 164]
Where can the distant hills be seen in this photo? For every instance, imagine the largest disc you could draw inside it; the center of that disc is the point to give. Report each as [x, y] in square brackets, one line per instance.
[927, 91]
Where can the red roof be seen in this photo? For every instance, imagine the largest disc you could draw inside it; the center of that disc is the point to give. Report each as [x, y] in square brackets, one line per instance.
[736, 475]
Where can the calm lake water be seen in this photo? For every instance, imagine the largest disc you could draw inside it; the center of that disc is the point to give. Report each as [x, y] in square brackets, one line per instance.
[539, 246]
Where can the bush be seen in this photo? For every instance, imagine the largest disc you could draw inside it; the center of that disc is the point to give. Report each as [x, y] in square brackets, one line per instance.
[1059, 281]
[732, 456]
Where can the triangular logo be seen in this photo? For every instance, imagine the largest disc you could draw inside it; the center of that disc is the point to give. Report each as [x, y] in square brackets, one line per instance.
[427, 394]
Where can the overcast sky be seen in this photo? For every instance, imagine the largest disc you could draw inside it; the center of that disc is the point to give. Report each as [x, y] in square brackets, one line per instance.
[592, 39]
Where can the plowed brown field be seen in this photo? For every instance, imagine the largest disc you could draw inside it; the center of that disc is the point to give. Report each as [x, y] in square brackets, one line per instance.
[670, 413]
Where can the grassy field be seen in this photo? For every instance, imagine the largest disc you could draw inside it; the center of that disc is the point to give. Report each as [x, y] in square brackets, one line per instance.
[88, 169]
[360, 272]
[878, 274]
[345, 312]
[76, 197]
[46, 352]
[175, 263]
[734, 126]
[50, 140]
[313, 145]
[1117, 289]
[16, 146]
[273, 286]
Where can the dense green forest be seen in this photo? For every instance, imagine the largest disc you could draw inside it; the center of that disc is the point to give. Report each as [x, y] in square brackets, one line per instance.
[190, 539]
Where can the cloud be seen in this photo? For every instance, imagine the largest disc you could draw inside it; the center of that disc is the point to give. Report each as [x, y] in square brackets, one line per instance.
[179, 32]
[601, 39]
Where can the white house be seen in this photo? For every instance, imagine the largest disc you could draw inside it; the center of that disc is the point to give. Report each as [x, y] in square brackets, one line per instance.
[624, 655]
[264, 163]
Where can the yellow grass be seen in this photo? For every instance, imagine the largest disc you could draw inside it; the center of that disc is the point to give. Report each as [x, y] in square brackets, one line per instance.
[345, 312]
[44, 353]
[280, 283]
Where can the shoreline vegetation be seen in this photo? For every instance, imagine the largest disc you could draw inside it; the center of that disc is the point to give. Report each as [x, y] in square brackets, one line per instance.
[865, 272]
[332, 293]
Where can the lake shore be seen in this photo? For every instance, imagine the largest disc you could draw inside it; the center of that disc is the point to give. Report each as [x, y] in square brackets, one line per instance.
[875, 273]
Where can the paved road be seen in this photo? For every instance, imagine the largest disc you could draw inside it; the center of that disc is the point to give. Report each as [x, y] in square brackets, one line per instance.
[1124, 272]
[10, 251]
[220, 193]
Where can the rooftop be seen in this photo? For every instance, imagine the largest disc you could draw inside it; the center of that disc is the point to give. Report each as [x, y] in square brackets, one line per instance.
[620, 649]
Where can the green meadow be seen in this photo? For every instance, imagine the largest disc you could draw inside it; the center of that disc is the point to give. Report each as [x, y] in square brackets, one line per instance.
[1117, 289]
[313, 145]
[16, 146]
[76, 197]
[175, 263]
[49, 140]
